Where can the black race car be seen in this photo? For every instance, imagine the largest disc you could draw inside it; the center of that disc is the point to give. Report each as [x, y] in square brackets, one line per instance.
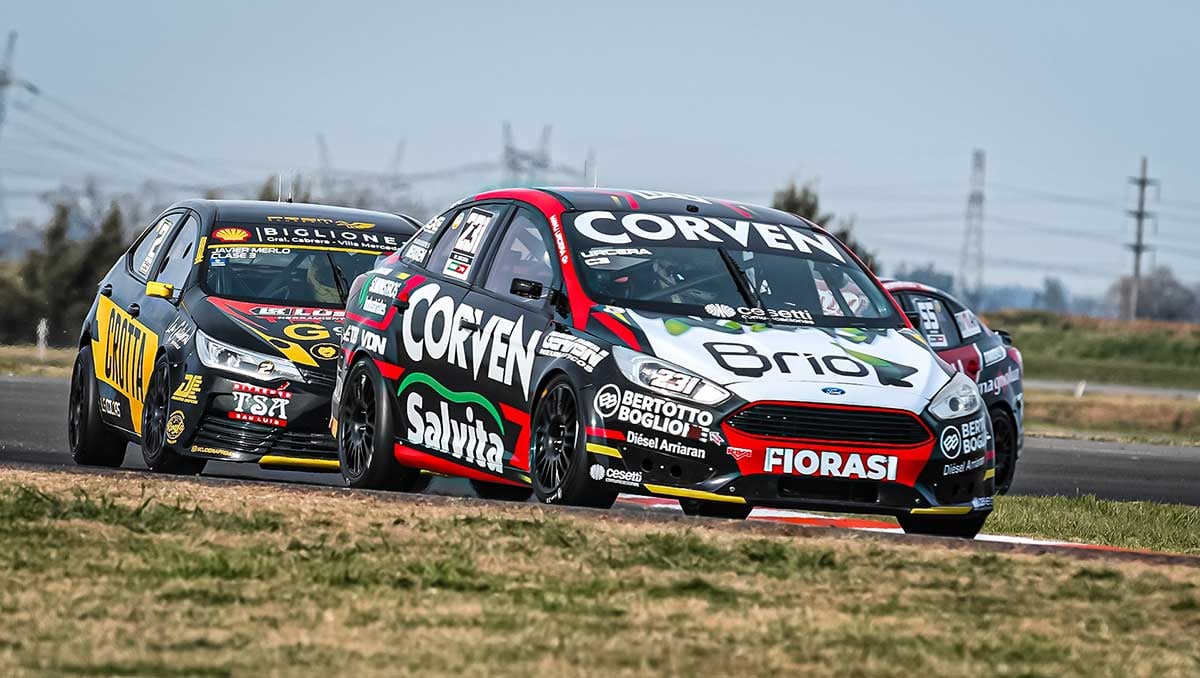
[577, 343]
[216, 336]
[985, 355]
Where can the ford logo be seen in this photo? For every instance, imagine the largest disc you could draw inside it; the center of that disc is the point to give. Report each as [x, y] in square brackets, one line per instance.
[833, 390]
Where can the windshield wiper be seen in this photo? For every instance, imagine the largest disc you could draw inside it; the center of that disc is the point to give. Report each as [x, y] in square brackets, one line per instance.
[339, 280]
[745, 287]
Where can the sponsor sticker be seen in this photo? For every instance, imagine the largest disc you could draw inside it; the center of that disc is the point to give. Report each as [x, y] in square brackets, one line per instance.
[110, 407]
[260, 405]
[500, 349]
[967, 438]
[828, 464]
[739, 453]
[188, 390]
[231, 234]
[584, 353]
[465, 426]
[997, 383]
[664, 445]
[466, 247]
[615, 476]
[174, 426]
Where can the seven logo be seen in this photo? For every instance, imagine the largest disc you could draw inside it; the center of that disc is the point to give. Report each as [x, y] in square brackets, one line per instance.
[608, 399]
[720, 310]
[951, 442]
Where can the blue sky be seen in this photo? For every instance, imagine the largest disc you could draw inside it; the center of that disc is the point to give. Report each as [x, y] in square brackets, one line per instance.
[880, 103]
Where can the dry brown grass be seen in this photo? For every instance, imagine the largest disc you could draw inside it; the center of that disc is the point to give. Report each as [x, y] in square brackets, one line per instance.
[1140, 418]
[266, 580]
[22, 361]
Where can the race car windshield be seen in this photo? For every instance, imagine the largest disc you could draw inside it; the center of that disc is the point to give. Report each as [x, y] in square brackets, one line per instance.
[284, 275]
[783, 276]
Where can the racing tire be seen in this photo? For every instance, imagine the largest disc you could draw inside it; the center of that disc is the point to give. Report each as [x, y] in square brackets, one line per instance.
[965, 527]
[161, 455]
[1004, 435]
[558, 451]
[366, 438]
[715, 509]
[501, 492]
[92, 442]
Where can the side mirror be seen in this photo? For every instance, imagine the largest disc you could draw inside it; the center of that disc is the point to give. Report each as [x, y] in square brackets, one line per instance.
[160, 290]
[1004, 337]
[530, 289]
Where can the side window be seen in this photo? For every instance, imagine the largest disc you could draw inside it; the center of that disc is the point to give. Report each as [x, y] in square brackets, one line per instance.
[177, 262]
[141, 260]
[934, 320]
[416, 250]
[457, 251]
[523, 253]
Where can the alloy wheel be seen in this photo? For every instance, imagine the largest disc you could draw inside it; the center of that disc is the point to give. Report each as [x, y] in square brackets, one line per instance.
[556, 436]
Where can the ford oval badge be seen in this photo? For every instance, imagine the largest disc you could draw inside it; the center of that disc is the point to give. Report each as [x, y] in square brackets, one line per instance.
[833, 390]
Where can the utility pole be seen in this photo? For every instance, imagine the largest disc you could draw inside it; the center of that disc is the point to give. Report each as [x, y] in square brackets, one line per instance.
[8, 80]
[1139, 245]
[970, 264]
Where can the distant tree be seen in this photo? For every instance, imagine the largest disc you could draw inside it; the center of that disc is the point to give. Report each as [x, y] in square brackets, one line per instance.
[927, 275]
[1160, 297]
[803, 201]
[1053, 296]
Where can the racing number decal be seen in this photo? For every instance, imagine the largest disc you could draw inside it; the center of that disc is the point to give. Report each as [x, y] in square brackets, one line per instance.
[462, 256]
[123, 352]
[931, 327]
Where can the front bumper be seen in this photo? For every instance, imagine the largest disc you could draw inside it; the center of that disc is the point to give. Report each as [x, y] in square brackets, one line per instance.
[275, 423]
[722, 463]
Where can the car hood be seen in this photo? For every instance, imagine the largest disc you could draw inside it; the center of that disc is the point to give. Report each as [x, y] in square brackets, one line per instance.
[309, 337]
[878, 367]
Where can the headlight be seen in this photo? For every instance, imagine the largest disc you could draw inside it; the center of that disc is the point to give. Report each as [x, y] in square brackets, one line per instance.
[959, 398]
[666, 378]
[221, 356]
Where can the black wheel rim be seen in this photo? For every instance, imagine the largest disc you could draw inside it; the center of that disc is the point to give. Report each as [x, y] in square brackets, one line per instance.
[556, 436]
[75, 410]
[358, 427]
[1006, 442]
[154, 420]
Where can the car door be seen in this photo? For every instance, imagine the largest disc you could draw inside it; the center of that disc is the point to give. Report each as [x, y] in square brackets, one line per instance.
[124, 341]
[514, 295]
[440, 407]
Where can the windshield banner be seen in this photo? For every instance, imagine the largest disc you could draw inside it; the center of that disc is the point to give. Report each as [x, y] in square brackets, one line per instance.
[642, 229]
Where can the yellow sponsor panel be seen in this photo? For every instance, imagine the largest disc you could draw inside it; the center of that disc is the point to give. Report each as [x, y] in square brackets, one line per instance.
[123, 351]
[299, 462]
[941, 511]
[693, 494]
[605, 450]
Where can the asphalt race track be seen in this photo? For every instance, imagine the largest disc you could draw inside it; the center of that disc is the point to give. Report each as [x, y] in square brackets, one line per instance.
[33, 432]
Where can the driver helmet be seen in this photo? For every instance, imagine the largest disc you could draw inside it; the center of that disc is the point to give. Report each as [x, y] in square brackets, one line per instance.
[321, 282]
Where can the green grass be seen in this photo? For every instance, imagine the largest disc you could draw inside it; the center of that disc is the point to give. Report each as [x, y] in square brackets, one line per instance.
[117, 576]
[1129, 418]
[1135, 525]
[25, 361]
[1104, 351]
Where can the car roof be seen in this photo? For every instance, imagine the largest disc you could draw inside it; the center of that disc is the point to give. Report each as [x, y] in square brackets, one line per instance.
[663, 202]
[913, 286]
[260, 210]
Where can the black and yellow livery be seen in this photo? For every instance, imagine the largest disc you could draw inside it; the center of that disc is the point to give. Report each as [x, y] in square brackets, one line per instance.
[216, 335]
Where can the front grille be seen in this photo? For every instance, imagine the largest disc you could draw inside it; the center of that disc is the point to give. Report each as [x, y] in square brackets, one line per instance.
[832, 424]
[251, 438]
